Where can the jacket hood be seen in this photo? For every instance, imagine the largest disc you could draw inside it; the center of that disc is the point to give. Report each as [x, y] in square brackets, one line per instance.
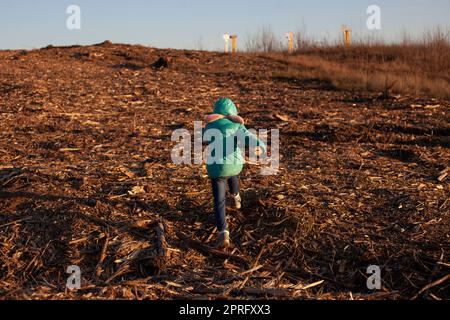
[225, 107]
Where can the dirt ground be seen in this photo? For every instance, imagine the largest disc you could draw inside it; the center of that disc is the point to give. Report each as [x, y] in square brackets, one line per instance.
[86, 179]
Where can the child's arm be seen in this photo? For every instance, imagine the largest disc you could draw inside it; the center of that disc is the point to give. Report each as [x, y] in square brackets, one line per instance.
[252, 140]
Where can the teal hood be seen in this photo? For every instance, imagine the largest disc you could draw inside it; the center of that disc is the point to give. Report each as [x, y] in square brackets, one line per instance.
[225, 107]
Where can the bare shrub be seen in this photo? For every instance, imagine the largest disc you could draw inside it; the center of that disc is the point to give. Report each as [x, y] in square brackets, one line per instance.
[264, 40]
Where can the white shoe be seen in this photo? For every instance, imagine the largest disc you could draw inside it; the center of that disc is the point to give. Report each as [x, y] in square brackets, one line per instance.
[223, 241]
[237, 201]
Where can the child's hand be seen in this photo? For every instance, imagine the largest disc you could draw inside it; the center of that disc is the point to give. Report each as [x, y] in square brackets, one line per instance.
[258, 151]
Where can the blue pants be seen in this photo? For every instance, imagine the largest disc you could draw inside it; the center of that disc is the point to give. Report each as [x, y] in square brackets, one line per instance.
[219, 187]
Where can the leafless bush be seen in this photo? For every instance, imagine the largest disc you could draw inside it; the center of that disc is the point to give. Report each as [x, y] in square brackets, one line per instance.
[264, 40]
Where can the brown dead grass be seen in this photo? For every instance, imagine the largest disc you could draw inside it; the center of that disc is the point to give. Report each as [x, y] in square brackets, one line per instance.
[419, 69]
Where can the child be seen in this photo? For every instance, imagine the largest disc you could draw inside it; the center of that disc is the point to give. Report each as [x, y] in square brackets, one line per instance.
[226, 121]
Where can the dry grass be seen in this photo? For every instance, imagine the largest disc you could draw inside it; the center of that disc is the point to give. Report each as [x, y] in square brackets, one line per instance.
[418, 67]
[390, 76]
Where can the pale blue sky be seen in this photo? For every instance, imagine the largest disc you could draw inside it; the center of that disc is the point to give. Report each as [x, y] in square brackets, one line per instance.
[183, 23]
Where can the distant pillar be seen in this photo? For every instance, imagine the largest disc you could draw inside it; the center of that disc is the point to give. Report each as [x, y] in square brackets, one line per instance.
[347, 35]
[347, 38]
[290, 37]
[226, 37]
[233, 43]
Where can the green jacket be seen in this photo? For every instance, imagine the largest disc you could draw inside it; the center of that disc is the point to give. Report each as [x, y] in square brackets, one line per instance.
[231, 161]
